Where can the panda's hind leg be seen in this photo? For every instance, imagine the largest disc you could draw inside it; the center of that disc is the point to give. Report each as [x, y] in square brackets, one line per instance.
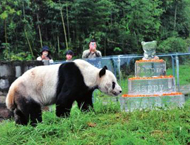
[20, 117]
[27, 111]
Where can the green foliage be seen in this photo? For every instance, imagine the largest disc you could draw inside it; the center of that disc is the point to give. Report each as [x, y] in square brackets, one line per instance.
[175, 19]
[10, 55]
[6, 52]
[28, 25]
[172, 44]
[117, 49]
[143, 19]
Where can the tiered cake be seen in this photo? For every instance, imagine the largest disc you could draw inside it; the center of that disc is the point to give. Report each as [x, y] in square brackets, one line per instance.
[151, 88]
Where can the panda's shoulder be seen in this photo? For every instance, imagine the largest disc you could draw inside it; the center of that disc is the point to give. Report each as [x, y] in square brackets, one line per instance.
[46, 67]
[81, 62]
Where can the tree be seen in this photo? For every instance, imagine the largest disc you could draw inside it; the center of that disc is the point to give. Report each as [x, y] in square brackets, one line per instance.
[175, 19]
[143, 20]
[118, 26]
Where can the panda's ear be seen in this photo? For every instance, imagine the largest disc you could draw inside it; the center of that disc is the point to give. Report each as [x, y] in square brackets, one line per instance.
[102, 71]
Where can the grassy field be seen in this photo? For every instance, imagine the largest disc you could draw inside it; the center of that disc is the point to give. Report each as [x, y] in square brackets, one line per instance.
[184, 75]
[106, 125]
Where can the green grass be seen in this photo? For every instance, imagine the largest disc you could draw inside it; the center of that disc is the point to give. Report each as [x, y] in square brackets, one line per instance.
[184, 74]
[107, 125]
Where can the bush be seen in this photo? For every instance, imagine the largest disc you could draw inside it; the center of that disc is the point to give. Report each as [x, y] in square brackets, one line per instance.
[171, 45]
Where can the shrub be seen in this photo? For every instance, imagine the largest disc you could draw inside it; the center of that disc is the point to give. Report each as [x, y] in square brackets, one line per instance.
[171, 45]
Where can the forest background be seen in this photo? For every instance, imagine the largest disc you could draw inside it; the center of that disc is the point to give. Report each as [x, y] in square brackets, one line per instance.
[118, 26]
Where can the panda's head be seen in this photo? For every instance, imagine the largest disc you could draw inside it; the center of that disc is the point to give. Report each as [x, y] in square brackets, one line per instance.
[108, 82]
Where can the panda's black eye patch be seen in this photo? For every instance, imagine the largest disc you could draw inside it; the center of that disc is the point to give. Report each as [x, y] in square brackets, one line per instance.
[113, 85]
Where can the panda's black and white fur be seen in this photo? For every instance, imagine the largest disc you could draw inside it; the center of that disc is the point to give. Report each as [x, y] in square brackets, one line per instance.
[59, 84]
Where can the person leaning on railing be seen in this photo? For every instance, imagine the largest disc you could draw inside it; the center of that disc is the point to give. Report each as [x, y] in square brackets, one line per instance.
[92, 52]
[45, 55]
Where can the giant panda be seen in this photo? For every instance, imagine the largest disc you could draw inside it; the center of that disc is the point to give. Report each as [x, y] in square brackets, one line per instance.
[59, 84]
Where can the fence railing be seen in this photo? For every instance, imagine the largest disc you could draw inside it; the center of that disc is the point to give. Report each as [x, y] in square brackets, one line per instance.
[115, 62]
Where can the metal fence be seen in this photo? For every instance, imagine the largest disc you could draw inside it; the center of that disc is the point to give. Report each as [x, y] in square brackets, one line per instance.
[123, 65]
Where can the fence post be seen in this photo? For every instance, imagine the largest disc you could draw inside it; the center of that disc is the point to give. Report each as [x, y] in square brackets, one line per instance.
[173, 65]
[177, 69]
[118, 67]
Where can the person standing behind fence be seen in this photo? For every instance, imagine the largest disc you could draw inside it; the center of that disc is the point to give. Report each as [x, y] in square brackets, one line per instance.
[92, 52]
[45, 55]
[69, 55]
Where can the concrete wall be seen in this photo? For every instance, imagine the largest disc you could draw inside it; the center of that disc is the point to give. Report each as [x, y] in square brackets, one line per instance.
[10, 71]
